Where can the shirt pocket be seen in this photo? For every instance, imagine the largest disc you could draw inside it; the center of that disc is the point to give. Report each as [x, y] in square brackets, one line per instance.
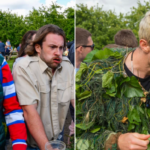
[64, 92]
[45, 95]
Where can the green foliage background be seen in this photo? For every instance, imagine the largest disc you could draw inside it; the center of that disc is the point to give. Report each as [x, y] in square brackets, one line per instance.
[13, 26]
[105, 24]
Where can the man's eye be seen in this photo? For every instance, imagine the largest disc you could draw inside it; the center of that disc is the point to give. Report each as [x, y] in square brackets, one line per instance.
[61, 48]
[52, 47]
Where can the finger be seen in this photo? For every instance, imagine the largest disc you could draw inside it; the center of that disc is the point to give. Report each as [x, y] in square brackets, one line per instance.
[142, 136]
[140, 142]
[136, 147]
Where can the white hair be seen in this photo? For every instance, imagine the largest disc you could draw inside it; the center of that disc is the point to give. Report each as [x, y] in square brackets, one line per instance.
[144, 28]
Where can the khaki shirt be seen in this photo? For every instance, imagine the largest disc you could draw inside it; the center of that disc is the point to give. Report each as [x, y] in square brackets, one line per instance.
[35, 83]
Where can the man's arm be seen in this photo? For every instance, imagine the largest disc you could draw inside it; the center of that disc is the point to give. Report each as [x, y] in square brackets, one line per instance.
[12, 110]
[35, 125]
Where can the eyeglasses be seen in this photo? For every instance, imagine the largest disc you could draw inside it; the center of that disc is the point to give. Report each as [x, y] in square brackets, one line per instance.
[92, 46]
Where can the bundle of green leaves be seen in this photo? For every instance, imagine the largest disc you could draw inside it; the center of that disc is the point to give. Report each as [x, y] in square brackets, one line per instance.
[104, 96]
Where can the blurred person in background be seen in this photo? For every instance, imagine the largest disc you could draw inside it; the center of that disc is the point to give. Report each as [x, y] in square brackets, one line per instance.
[18, 48]
[2, 48]
[8, 43]
[26, 40]
[124, 38]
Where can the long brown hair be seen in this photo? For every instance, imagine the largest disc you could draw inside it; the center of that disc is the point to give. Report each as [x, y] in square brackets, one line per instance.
[40, 37]
[26, 40]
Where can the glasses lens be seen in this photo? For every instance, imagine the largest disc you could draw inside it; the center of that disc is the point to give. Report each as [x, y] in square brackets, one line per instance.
[92, 47]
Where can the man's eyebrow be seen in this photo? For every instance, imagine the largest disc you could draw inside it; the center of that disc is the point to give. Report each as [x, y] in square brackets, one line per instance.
[52, 45]
[55, 45]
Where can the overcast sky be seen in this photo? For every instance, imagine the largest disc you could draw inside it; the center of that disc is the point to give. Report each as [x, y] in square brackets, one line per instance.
[122, 6]
[22, 7]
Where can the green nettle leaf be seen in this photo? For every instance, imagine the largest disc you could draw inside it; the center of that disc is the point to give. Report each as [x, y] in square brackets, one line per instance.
[140, 109]
[134, 116]
[129, 87]
[131, 127]
[124, 79]
[95, 130]
[78, 109]
[107, 79]
[79, 89]
[106, 53]
[148, 112]
[111, 91]
[84, 126]
[132, 88]
[99, 71]
[82, 144]
[90, 55]
[92, 146]
[84, 95]
[77, 86]
[111, 94]
[144, 130]
[83, 68]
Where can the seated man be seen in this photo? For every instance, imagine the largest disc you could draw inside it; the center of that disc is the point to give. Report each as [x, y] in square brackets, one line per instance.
[8, 50]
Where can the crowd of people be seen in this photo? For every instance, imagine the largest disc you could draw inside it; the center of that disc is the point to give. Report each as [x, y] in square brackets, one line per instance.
[36, 96]
[6, 48]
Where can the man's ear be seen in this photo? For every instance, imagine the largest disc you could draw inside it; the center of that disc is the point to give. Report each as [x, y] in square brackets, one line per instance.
[144, 46]
[38, 48]
[79, 49]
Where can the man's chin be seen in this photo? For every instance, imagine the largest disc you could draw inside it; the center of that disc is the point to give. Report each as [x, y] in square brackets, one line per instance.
[54, 66]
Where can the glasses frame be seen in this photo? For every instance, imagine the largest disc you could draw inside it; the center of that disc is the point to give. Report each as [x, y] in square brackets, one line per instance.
[92, 46]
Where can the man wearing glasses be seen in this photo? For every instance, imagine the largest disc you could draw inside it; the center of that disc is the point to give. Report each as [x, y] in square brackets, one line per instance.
[84, 45]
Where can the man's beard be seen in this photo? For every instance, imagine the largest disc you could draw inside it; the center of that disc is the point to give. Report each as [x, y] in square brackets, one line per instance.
[53, 63]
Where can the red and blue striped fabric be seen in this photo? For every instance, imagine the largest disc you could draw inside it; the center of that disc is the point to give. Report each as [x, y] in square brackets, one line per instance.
[12, 110]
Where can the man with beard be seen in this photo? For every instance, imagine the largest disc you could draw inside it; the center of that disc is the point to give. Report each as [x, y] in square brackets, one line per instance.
[44, 83]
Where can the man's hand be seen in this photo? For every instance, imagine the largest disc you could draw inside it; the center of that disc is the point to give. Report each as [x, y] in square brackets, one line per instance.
[133, 141]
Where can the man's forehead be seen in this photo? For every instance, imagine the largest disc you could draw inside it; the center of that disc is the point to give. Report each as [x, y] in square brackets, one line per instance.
[52, 38]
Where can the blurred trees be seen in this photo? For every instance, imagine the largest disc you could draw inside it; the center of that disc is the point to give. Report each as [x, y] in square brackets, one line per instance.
[105, 24]
[13, 27]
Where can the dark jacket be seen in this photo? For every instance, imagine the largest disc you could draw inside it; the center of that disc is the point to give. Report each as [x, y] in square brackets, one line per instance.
[2, 47]
[69, 44]
[71, 54]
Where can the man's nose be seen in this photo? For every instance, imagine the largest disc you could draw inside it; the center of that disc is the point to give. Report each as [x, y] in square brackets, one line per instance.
[57, 52]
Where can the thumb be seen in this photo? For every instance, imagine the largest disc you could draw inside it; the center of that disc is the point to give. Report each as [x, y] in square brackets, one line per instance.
[142, 136]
